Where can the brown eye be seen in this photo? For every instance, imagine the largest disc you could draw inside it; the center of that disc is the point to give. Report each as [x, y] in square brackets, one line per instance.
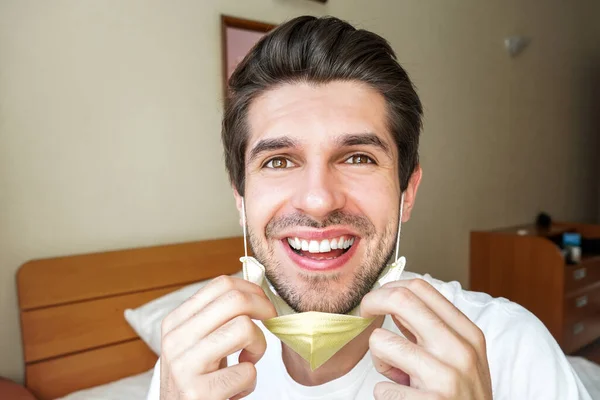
[279, 163]
[359, 159]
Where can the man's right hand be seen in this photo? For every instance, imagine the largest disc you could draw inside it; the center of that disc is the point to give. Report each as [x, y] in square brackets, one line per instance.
[199, 335]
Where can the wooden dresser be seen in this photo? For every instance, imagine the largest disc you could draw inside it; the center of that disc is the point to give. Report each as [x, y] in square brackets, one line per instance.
[524, 265]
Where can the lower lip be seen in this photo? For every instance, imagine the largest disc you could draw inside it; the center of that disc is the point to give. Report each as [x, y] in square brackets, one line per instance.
[310, 264]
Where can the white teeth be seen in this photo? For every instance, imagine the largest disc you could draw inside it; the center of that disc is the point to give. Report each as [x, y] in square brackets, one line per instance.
[295, 243]
[304, 245]
[324, 246]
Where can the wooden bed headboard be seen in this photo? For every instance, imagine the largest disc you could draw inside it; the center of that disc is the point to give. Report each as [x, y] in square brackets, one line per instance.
[72, 325]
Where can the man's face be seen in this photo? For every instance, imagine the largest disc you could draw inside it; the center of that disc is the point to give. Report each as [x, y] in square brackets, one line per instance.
[322, 192]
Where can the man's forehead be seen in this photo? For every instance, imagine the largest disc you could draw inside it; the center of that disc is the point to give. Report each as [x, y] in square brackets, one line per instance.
[308, 113]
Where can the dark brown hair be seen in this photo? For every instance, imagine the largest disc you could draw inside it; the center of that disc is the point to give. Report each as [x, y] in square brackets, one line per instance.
[321, 50]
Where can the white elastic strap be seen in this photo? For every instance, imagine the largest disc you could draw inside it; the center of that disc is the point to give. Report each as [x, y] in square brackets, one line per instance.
[244, 230]
[399, 227]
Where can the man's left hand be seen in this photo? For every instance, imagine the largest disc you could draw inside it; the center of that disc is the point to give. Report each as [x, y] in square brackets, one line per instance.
[443, 354]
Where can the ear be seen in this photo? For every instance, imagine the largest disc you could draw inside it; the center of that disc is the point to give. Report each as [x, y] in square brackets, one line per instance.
[410, 194]
[238, 202]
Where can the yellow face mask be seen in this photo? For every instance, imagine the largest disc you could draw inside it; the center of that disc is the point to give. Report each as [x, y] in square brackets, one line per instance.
[315, 336]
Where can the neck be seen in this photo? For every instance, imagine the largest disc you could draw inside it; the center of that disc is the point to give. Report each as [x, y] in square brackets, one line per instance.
[339, 365]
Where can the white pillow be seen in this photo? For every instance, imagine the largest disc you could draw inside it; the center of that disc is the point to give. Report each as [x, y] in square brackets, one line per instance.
[146, 319]
[134, 387]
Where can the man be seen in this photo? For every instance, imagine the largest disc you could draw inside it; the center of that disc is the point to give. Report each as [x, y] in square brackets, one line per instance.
[321, 135]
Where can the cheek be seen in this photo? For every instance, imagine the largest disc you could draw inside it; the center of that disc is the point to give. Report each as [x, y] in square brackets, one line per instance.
[263, 202]
[374, 198]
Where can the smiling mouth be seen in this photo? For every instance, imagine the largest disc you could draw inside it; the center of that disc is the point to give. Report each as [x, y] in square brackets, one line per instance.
[326, 249]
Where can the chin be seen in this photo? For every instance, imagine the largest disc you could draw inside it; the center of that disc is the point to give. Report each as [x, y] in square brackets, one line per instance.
[328, 277]
[331, 290]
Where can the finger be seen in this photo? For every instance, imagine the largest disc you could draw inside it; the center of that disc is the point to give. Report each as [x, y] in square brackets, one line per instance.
[223, 309]
[204, 296]
[237, 334]
[407, 334]
[442, 307]
[412, 313]
[392, 391]
[394, 356]
[392, 373]
[244, 393]
[226, 383]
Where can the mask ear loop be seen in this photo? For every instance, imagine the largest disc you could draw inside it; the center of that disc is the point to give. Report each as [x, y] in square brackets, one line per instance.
[245, 243]
[400, 262]
[399, 229]
[244, 228]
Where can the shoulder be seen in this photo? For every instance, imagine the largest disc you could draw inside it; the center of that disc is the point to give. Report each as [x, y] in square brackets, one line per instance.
[522, 354]
[489, 313]
[501, 320]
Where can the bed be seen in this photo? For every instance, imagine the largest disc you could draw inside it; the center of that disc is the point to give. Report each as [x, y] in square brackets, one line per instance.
[77, 343]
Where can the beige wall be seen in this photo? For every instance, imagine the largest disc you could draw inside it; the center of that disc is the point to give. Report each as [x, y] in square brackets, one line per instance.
[109, 124]
[594, 18]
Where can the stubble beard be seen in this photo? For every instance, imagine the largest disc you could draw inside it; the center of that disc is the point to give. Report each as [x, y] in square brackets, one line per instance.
[314, 293]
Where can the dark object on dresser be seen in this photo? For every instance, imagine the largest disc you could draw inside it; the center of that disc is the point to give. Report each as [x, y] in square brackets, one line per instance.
[543, 221]
[525, 265]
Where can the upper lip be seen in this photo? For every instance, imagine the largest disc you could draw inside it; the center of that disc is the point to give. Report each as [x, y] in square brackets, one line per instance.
[320, 234]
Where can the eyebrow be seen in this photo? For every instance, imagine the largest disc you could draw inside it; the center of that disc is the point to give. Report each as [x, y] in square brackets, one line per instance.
[362, 139]
[354, 139]
[266, 145]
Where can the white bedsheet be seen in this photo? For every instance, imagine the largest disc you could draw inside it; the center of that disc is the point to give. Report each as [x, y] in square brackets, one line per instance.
[136, 387]
[131, 388]
[589, 373]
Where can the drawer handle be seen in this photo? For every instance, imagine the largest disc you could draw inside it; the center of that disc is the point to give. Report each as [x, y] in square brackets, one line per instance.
[579, 274]
[578, 328]
[581, 301]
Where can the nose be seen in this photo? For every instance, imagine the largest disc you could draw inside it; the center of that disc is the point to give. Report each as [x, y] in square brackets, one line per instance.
[319, 192]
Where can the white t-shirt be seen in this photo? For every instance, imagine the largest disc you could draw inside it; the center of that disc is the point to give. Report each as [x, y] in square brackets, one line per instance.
[525, 361]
